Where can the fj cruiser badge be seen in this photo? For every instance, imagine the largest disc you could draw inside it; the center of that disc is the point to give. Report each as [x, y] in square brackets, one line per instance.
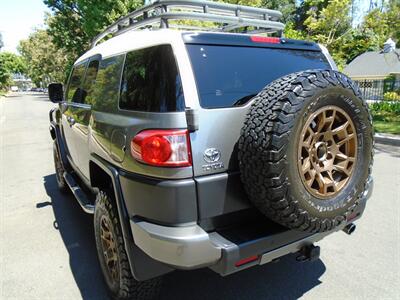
[211, 157]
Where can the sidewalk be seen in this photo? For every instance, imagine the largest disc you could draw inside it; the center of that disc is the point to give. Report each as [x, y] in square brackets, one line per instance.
[387, 139]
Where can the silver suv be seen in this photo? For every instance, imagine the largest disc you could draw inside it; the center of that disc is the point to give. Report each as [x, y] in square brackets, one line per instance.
[203, 147]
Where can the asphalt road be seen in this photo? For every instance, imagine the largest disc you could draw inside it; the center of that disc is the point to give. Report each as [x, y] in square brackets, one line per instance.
[48, 250]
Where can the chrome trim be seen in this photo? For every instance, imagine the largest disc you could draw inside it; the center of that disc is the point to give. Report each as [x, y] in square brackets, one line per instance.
[79, 105]
[182, 247]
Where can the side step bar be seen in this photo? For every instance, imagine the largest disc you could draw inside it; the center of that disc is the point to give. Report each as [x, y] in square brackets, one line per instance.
[79, 194]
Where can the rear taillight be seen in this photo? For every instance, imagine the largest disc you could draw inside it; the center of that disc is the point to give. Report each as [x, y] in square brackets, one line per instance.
[265, 39]
[163, 148]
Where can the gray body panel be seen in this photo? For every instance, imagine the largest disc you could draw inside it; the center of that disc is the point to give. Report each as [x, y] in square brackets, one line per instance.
[111, 135]
[170, 202]
[75, 120]
[218, 128]
[220, 194]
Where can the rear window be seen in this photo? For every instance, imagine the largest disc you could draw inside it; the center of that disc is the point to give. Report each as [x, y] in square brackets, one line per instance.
[103, 95]
[151, 81]
[229, 76]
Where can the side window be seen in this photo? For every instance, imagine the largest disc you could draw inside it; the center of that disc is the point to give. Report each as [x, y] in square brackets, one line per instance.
[151, 81]
[74, 93]
[104, 92]
[90, 79]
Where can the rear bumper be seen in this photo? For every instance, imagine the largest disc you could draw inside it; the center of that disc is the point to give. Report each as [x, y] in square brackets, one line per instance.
[181, 247]
[190, 247]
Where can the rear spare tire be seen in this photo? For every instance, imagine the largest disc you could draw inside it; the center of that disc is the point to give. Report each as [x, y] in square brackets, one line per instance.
[305, 150]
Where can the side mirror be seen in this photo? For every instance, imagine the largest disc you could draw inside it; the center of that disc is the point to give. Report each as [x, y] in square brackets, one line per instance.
[55, 92]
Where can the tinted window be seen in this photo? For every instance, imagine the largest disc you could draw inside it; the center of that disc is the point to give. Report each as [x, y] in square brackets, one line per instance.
[230, 76]
[103, 95]
[151, 81]
[90, 79]
[74, 92]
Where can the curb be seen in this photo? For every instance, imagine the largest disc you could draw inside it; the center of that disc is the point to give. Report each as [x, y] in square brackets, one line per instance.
[387, 139]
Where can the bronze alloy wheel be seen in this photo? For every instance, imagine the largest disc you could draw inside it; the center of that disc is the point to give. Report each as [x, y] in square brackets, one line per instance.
[109, 248]
[327, 151]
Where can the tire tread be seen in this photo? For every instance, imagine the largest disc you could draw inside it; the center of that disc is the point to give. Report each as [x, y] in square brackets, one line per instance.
[264, 174]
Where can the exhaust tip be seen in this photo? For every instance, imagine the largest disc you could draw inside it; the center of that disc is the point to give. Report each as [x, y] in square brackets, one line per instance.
[350, 228]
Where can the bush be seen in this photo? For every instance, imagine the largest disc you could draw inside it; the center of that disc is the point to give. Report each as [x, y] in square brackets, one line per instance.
[385, 106]
[391, 96]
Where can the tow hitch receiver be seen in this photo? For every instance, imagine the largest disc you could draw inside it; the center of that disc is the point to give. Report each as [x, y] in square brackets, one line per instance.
[309, 253]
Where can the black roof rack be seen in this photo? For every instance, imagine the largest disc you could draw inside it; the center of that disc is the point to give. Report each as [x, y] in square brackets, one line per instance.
[224, 17]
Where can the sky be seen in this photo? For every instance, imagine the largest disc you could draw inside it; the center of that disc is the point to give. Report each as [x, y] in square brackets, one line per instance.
[18, 18]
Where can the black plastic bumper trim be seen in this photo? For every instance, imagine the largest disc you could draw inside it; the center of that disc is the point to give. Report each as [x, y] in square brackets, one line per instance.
[164, 202]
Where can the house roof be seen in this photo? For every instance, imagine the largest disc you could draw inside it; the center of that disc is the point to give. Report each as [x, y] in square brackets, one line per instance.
[374, 64]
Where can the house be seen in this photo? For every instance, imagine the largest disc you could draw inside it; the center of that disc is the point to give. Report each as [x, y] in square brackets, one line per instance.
[376, 65]
[377, 72]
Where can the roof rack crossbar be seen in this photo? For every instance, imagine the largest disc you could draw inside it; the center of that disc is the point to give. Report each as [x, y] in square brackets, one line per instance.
[228, 16]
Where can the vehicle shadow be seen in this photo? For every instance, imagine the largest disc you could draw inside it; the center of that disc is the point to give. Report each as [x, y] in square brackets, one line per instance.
[286, 279]
[76, 230]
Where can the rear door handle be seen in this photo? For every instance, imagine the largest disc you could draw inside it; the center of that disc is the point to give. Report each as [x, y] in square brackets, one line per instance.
[71, 121]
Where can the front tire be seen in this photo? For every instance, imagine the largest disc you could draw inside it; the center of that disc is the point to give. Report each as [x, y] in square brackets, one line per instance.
[112, 256]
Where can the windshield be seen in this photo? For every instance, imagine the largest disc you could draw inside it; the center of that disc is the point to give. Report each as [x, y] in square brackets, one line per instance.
[229, 76]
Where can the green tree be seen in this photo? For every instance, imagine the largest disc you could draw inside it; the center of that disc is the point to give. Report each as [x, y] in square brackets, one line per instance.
[330, 24]
[384, 23]
[292, 33]
[286, 7]
[325, 22]
[46, 62]
[378, 25]
[393, 20]
[306, 9]
[256, 3]
[76, 22]
[10, 63]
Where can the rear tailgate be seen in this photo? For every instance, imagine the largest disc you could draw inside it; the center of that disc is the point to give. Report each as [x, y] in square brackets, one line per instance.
[227, 77]
[229, 70]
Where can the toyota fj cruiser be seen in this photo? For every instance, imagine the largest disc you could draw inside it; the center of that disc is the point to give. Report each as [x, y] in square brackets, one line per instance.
[208, 146]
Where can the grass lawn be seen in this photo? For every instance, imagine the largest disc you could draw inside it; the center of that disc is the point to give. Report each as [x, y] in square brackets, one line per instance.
[385, 122]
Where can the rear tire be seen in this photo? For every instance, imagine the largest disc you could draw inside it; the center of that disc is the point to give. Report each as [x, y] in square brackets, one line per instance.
[306, 150]
[113, 258]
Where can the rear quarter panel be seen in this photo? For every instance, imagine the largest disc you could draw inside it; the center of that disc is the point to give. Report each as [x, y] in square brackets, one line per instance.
[113, 129]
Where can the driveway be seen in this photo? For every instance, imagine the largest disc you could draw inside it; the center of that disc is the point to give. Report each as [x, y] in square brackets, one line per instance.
[48, 249]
